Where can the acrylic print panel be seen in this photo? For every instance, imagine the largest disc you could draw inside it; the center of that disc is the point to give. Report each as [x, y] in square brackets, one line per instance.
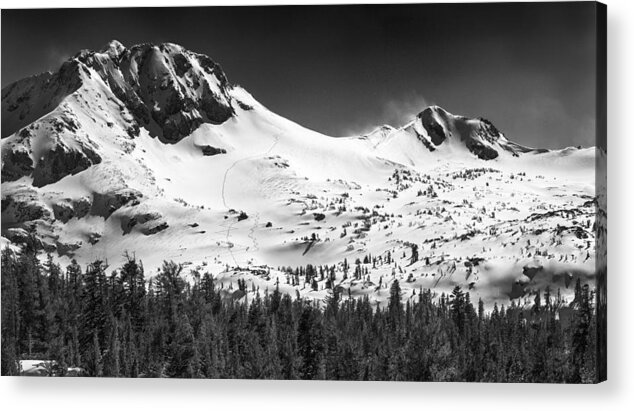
[367, 192]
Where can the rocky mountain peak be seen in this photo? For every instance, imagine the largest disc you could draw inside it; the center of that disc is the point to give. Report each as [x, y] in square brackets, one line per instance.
[169, 90]
[437, 127]
[114, 49]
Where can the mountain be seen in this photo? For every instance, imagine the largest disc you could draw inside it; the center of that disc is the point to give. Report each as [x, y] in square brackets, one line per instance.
[151, 149]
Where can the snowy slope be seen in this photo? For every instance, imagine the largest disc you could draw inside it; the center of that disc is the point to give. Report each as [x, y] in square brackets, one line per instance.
[151, 149]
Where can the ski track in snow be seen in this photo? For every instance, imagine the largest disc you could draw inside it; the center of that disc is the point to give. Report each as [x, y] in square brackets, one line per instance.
[276, 139]
[251, 235]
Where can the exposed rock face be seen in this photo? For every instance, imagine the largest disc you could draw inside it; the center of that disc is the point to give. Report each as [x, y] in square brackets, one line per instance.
[22, 207]
[16, 235]
[104, 204]
[67, 209]
[67, 249]
[16, 163]
[163, 88]
[62, 161]
[19, 235]
[94, 237]
[48, 150]
[479, 136]
[129, 222]
[432, 126]
[63, 211]
[155, 229]
[476, 135]
[81, 207]
[114, 49]
[169, 90]
[531, 271]
[53, 126]
[575, 230]
[28, 99]
[482, 151]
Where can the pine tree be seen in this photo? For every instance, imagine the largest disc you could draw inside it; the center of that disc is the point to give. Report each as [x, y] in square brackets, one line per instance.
[170, 286]
[191, 331]
[537, 304]
[480, 309]
[458, 308]
[184, 358]
[581, 333]
[95, 364]
[547, 301]
[133, 290]
[310, 342]
[111, 360]
[414, 256]
[94, 303]
[332, 303]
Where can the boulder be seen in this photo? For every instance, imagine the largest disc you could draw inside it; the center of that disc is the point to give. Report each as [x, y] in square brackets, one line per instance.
[212, 151]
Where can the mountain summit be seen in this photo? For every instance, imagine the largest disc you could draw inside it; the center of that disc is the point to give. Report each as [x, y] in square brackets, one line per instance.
[167, 91]
[165, 88]
[435, 126]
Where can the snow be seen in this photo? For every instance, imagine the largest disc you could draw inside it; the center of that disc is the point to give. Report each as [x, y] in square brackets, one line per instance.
[34, 367]
[281, 173]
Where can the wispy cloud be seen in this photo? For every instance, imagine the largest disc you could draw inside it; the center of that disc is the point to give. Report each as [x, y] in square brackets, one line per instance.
[55, 57]
[395, 112]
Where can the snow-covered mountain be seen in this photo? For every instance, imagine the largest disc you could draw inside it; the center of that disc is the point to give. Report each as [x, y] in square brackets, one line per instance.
[150, 149]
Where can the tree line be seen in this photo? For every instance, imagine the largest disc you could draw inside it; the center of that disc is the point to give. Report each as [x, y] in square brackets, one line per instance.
[118, 323]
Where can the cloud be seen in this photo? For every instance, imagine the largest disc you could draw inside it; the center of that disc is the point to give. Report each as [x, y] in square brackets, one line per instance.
[395, 112]
[398, 112]
[55, 57]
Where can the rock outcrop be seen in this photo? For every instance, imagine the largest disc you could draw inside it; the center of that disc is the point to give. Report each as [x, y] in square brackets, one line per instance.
[104, 204]
[169, 90]
[62, 161]
[23, 206]
[437, 127]
[138, 220]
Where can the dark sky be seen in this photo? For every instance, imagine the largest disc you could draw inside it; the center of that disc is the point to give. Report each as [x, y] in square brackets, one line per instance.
[527, 67]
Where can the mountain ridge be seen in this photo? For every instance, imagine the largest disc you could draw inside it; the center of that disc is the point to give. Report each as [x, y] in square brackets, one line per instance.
[151, 149]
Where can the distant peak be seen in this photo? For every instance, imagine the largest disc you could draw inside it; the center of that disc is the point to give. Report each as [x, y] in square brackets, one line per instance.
[382, 131]
[384, 127]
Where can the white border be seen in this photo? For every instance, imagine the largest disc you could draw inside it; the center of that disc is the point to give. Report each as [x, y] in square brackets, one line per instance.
[617, 393]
